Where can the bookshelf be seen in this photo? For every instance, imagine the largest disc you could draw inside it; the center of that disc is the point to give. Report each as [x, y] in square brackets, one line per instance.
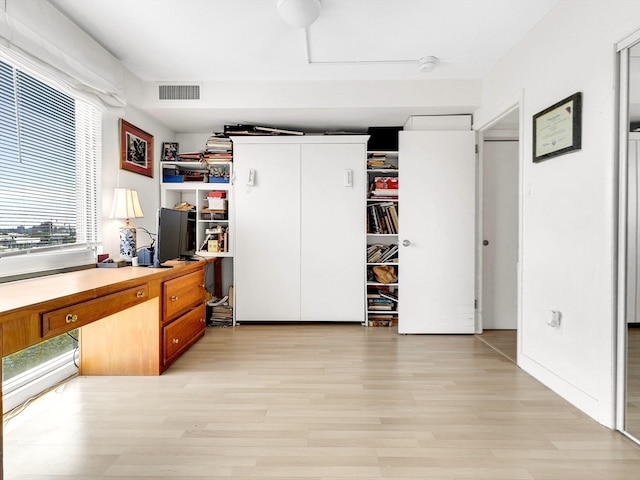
[382, 268]
[208, 188]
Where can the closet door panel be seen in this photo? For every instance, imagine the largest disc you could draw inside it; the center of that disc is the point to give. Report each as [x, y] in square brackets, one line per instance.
[437, 218]
[333, 232]
[267, 250]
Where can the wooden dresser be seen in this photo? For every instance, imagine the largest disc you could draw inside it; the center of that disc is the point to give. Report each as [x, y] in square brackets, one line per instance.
[132, 320]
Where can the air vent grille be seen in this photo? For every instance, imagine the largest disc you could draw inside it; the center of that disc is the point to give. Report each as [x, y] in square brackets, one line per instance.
[179, 92]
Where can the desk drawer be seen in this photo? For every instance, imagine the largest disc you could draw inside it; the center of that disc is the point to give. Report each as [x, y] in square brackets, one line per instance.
[66, 319]
[180, 334]
[181, 294]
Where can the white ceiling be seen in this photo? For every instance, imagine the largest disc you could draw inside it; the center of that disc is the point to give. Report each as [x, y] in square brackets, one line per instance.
[222, 40]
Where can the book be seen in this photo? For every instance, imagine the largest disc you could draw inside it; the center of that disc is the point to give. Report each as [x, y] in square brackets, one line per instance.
[388, 295]
[279, 131]
[203, 245]
[385, 183]
[243, 129]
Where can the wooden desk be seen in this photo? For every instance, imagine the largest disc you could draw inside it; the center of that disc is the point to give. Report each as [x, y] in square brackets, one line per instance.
[148, 316]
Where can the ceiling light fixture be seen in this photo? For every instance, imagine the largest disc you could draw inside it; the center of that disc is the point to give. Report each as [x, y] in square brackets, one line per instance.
[427, 64]
[299, 13]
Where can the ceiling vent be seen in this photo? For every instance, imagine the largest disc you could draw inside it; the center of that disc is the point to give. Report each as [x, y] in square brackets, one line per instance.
[179, 92]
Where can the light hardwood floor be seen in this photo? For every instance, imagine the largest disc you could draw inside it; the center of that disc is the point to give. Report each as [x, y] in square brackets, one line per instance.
[503, 341]
[317, 402]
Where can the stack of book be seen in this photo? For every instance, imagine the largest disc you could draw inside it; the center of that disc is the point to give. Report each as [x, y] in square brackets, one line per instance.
[221, 312]
[216, 240]
[379, 161]
[218, 148]
[382, 306]
[189, 156]
[384, 188]
[382, 218]
[379, 253]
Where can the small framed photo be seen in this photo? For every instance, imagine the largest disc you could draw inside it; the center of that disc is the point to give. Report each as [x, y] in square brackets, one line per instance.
[558, 129]
[169, 152]
[136, 149]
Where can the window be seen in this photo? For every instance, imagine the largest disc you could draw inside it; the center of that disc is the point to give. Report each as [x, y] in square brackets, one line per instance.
[50, 151]
[50, 213]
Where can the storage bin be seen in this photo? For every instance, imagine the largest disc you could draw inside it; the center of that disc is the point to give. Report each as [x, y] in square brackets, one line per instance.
[172, 179]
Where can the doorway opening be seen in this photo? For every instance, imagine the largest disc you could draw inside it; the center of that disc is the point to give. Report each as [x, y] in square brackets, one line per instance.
[499, 215]
[628, 380]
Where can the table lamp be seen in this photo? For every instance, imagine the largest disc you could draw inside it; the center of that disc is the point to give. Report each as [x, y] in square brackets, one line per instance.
[126, 205]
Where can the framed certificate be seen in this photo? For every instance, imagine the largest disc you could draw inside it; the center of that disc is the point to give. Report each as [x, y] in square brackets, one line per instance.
[558, 129]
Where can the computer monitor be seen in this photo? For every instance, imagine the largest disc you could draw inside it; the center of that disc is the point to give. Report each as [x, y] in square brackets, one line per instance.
[176, 235]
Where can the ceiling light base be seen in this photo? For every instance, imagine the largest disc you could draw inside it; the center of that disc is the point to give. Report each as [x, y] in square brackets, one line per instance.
[427, 64]
[299, 13]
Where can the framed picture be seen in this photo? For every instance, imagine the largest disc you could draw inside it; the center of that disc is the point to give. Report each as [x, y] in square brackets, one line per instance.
[169, 152]
[136, 149]
[558, 129]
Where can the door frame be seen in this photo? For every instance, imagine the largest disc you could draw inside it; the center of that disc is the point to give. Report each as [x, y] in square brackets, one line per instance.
[482, 130]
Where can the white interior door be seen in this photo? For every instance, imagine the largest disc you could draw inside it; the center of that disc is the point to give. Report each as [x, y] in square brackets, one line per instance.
[333, 232]
[500, 234]
[437, 220]
[267, 250]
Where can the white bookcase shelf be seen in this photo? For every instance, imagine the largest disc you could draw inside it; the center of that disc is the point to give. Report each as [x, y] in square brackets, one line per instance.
[382, 237]
[197, 194]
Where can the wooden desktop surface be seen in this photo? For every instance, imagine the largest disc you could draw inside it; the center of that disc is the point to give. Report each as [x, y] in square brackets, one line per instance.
[49, 290]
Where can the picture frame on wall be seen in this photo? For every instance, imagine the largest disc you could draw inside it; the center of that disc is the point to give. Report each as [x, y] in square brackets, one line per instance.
[557, 130]
[136, 149]
[169, 152]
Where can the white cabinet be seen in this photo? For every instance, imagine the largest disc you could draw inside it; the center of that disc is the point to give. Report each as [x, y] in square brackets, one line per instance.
[300, 228]
[437, 231]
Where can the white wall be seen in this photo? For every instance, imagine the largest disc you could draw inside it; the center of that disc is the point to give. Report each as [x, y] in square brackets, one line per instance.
[568, 207]
[112, 176]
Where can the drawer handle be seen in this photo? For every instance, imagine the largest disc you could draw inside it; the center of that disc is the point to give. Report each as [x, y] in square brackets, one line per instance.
[175, 341]
[174, 298]
[71, 317]
[202, 320]
[140, 294]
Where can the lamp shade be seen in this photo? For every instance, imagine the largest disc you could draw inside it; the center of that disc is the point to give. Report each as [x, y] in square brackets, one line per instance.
[299, 13]
[126, 204]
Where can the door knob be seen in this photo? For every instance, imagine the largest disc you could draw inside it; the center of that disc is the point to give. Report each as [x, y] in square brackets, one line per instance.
[406, 243]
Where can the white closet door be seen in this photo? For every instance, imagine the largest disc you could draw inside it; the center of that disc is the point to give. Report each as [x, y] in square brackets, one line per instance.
[437, 218]
[267, 250]
[333, 232]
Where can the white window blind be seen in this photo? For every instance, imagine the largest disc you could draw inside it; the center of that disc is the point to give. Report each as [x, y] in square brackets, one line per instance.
[50, 165]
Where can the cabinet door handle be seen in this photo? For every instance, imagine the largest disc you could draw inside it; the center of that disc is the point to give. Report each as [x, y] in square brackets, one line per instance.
[175, 341]
[71, 318]
[174, 298]
[406, 243]
[252, 177]
[348, 178]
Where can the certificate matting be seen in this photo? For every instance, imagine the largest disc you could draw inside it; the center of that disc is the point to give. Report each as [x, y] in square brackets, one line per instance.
[558, 129]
